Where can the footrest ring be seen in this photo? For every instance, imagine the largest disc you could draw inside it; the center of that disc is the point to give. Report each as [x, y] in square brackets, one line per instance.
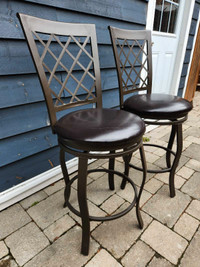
[155, 171]
[111, 217]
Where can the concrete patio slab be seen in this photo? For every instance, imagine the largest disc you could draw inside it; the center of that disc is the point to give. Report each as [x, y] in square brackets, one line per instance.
[165, 209]
[32, 241]
[12, 219]
[192, 186]
[103, 258]
[53, 188]
[186, 226]
[118, 235]
[153, 185]
[94, 211]
[139, 255]
[39, 232]
[65, 250]
[193, 152]
[33, 199]
[185, 172]
[192, 254]
[3, 250]
[59, 227]
[193, 164]
[162, 161]
[159, 262]
[194, 209]
[42, 212]
[112, 204]
[164, 241]
[98, 190]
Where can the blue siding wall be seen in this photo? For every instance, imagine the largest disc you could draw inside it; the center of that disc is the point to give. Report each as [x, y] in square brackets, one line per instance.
[189, 47]
[27, 146]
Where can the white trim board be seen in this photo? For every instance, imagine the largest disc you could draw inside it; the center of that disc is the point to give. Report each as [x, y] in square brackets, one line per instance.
[27, 188]
[33, 185]
[182, 44]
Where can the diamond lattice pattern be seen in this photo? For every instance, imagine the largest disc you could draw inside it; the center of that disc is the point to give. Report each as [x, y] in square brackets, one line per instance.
[68, 65]
[133, 63]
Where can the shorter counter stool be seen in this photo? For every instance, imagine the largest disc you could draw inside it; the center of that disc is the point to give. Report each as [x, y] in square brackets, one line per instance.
[133, 57]
[66, 60]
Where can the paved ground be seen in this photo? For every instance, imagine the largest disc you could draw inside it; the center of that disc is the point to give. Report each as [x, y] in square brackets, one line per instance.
[39, 232]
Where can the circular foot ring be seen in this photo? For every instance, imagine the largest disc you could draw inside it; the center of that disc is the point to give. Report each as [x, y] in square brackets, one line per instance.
[111, 217]
[155, 171]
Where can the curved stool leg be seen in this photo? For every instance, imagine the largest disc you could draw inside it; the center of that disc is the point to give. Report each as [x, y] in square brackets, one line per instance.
[144, 166]
[127, 160]
[111, 175]
[82, 200]
[65, 175]
[178, 129]
[170, 144]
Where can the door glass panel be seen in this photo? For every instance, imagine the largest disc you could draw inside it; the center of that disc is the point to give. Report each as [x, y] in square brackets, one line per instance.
[166, 15]
[172, 24]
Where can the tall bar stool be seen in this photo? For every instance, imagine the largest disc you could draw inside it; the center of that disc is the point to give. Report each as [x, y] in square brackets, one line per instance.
[67, 63]
[133, 57]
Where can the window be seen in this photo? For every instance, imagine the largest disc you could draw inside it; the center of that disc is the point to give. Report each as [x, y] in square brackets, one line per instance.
[166, 15]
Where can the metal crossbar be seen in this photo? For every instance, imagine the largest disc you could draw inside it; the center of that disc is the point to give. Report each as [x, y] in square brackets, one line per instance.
[60, 99]
[128, 67]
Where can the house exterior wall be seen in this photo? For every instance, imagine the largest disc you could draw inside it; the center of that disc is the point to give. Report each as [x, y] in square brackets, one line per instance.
[188, 52]
[27, 146]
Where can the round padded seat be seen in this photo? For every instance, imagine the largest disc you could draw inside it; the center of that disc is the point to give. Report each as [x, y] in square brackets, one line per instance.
[158, 106]
[100, 128]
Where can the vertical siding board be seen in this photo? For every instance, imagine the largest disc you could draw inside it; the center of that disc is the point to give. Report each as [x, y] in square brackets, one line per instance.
[28, 147]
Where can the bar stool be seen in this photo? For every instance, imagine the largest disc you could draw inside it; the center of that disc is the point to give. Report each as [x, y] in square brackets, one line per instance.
[67, 63]
[133, 58]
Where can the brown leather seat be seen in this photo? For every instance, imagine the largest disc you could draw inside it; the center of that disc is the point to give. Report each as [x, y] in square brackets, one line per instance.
[94, 127]
[158, 106]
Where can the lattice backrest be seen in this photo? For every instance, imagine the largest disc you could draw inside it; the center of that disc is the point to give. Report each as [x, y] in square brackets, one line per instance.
[133, 57]
[66, 59]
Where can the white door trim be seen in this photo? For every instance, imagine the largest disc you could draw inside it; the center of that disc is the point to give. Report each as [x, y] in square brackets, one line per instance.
[182, 44]
[150, 14]
[29, 187]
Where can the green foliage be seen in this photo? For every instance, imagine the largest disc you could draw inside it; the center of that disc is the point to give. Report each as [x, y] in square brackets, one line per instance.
[146, 139]
[34, 203]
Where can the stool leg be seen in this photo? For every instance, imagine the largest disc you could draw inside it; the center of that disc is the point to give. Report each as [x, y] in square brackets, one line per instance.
[127, 160]
[111, 175]
[82, 200]
[65, 176]
[144, 166]
[170, 144]
[179, 133]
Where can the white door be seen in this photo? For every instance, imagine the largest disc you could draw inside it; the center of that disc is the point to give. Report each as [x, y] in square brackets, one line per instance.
[166, 19]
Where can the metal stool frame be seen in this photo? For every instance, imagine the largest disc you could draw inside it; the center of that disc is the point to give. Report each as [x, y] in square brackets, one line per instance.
[138, 42]
[79, 34]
